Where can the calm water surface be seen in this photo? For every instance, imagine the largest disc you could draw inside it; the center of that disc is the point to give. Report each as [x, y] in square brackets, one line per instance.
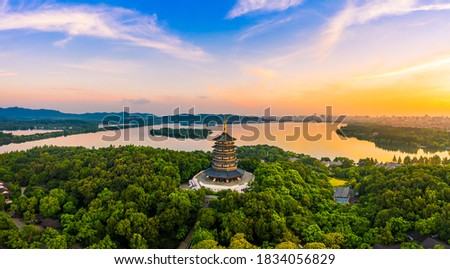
[271, 134]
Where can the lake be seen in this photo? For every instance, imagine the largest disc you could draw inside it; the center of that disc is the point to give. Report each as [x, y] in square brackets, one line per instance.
[315, 139]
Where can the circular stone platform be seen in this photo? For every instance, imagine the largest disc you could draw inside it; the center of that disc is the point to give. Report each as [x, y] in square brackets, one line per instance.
[200, 180]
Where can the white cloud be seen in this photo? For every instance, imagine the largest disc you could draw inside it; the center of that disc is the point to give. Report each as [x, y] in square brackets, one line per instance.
[101, 22]
[5, 73]
[362, 12]
[262, 28]
[62, 43]
[436, 63]
[243, 7]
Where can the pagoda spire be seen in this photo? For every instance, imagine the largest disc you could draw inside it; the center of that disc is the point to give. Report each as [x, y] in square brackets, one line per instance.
[224, 123]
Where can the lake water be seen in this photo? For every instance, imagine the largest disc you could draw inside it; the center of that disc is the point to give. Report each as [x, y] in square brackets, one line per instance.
[311, 139]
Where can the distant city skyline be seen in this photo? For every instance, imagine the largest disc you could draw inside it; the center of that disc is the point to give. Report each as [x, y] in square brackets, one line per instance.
[367, 57]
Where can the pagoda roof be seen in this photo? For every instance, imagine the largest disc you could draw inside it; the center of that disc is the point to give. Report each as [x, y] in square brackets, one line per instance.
[224, 174]
[224, 146]
[224, 137]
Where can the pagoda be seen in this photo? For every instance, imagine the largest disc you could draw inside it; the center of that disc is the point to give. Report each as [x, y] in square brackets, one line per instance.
[224, 163]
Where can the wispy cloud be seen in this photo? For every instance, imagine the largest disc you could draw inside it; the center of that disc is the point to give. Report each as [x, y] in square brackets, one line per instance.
[139, 101]
[243, 7]
[105, 65]
[5, 73]
[262, 27]
[3, 6]
[101, 22]
[361, 12]
[62, 43]
[71, 90]
[436, 63]
[259, 72]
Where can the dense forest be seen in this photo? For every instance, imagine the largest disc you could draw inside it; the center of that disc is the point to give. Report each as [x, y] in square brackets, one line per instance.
[405, 139]
[181, 133]
[45, 124]
[64, 127]
[129, 197]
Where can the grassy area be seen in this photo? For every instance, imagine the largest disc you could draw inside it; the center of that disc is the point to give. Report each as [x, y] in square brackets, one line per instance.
[337, 182]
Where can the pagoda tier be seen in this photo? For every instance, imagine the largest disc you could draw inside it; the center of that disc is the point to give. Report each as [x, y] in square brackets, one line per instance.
[224, 163]
[223, 155]
[225, 166]
[220, 158]
[223, 148]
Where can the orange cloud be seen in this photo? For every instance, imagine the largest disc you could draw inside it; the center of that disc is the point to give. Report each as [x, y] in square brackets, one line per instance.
[259, 72]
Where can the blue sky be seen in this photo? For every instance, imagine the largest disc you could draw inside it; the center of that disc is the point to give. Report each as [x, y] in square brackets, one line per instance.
[297, 56]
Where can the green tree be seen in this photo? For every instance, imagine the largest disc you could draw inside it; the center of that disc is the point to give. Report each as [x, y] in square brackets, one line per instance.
[334, 240]
[49, 206]
[207, 244]
[312, 233]
[6, 222]
[29, 233]
[53, 240]
[315, 245]
[238, 241]
[206, 218]
[138, 242]
[201, 235]
[2, 202]
[69, 208]
[426, 226]
[286, 245]
[346, 162]
[8, 230]
[398, 228]
[105, 243]
[411, 245]
[59, 194]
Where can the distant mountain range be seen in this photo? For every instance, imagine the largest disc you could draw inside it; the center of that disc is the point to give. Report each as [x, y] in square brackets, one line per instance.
[19, 113]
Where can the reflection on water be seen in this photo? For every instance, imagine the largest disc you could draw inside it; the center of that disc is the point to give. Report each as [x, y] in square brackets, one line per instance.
[315, 139]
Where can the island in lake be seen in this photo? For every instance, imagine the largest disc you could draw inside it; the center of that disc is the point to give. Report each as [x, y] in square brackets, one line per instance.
[405, 139]
[184, 133]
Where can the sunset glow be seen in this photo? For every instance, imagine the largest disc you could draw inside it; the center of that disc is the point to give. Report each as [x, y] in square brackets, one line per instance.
[364, 57]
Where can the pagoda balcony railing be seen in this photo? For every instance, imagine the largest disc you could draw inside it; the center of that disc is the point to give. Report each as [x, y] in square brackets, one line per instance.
[225, 158]
[225, 142]
[224, 150]
[229, 168]
[218, 144]
[224, 154]
[221, 162]
[224, 147]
